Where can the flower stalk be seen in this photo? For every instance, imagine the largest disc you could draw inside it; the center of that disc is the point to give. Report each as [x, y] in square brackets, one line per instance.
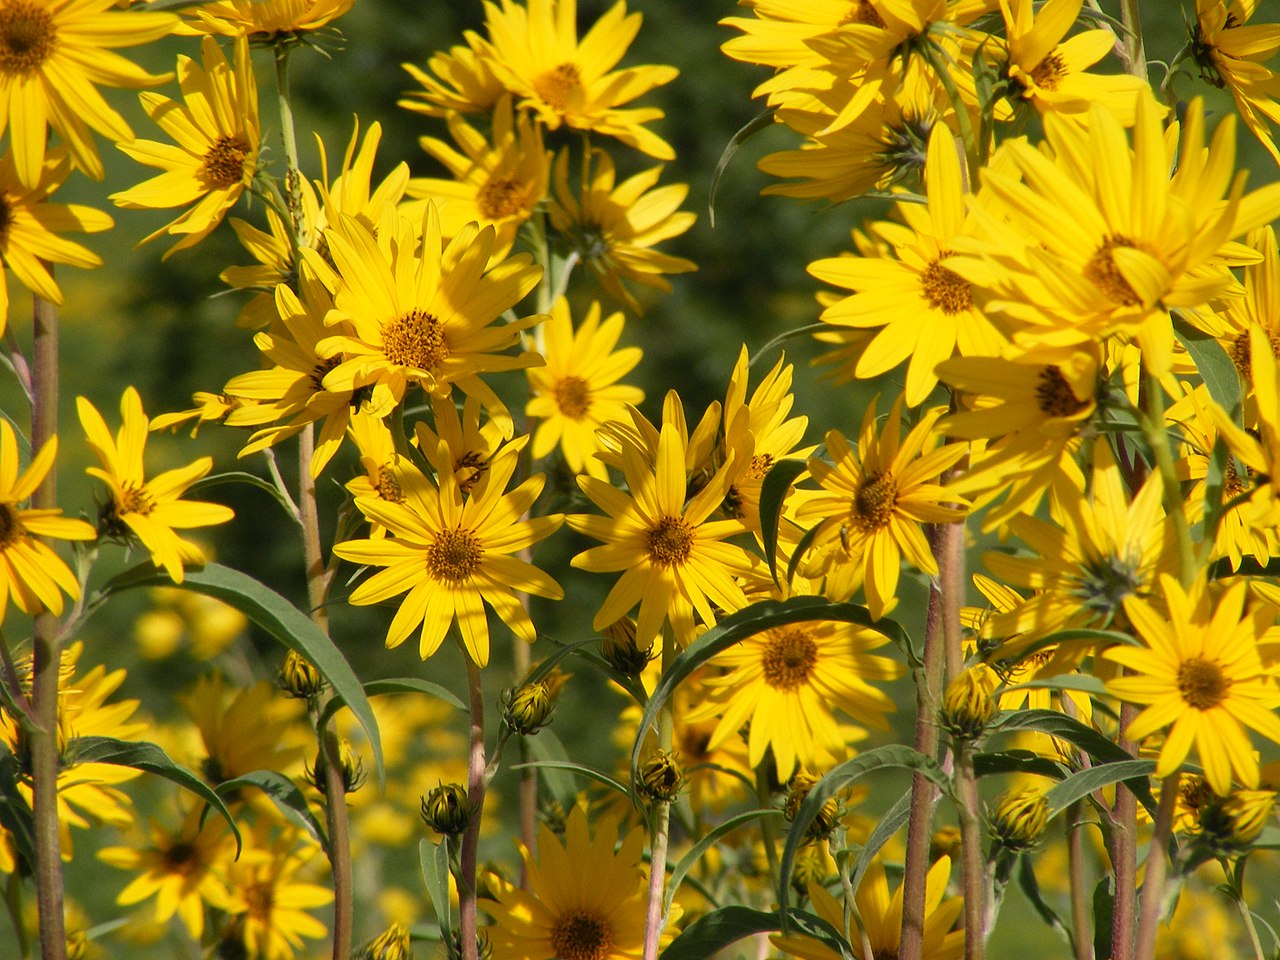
[660, 817]
[1157, 869]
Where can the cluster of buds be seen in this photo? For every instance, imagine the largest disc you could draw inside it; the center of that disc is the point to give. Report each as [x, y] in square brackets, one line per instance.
[1019, 819]
[618, 647]
[299, 678]
[447, 809]
[660, 777]
[824, 821]
[968, 704]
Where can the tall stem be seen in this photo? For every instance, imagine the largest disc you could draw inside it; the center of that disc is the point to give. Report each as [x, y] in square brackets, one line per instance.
[468, 858]
[1080, 910]
[292, 171]
[43, 732]
[1157, 869]
[1124, 853]
[973, 863]
[1134, 52]
[660, 828]
[1152, 420]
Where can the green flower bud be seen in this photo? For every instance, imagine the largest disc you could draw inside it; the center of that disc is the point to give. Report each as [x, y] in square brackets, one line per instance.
[453, 945]
[968, 705]
[1019, 819]
[660, 777]
[352, 769]
[1233, 822]
[527, 709]
[827, 818]
[298, 677]
[447, 809]
[391, 944]
[618, 647]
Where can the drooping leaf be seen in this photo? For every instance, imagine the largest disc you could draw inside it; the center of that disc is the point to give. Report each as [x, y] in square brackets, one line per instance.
[1031, 889]
[894, 820]
[1104, 902]
[773, 493]
[757, 123]
[1084, 782]
[1017, 761]
[250, 480]
[278, 617]
[580, 769]
[149, 758]
[15, 813]
[284, 793]
[547, 746]
[1216, 368]
[434, 860]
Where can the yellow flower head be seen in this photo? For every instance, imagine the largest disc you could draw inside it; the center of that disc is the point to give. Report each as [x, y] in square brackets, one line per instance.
[464, 81]
[52, 52]
[262, 21]
[537, 55]
[454, 555]
[1200, 679]
[150, 510]
[30, 572]
[30, 226]
[1233, 53]
[215, 154]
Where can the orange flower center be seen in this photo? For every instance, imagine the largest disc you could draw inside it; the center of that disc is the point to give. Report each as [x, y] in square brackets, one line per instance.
[581, 936]
[10, 525]
[501, 198]
[573, 397]
[556, 84]
[1202, 683]
[1055, 395]
[225, 162]
[27, 37]
[945, 289]
[670, 541]
[1241, 356]
[454, 555]
[760, 465]
[789, 659]
[1102, 272]
[415, 340]
[135, 500]
[6, 219]
[1048, 73]
[874, 503]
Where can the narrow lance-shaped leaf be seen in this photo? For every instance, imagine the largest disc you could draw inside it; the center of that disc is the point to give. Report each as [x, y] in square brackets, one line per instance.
[773, 493]
[284, 793]
[714, 931]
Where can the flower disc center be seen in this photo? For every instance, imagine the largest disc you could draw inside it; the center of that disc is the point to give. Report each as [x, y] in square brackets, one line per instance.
[415, 340]
[573, 397]
[875, 500]
[224, 163]
[1202, 683]
[670, 541]
[581, 936]
[789, 659]
[945, 289]
[555, 86]
[27, 37]
[500, 198]
[454, 556]
[1055, 395]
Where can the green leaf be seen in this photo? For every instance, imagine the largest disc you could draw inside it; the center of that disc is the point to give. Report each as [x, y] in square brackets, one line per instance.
[1080, 785]
[249, 480]
[15, 813]
[1081, 637]
[1017, 761]
[286, 796]
[690, 859]
[579, 769]
[746, 623]
[757, 123]
[801, 549]
[434, 859]
[893, 821]
[149, 758]
[773, 493]
[278, 617]
[1027, 881]
[1104, 902]
[378, 688]
[841, 776]
[1216, 368]
[718, 929]
[547, 746]
[1066, 681]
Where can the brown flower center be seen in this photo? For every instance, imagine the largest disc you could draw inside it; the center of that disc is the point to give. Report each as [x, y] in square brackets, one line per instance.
[1048, 73]
[10, 525]
[135, 500]
[1055, 395]
[863, 13]
[1103, 273]
[182, 859]
[1232, 485]
[1202, 683]
[454, 555]
[1240, 353]
[415, 340]
[945, 289]
[789, 659]
[875, 501]
[388, 486]
[6, 219]
[670, 541]
[556, 84]
[581, 936]
[27, 37]
[319, 371]
[501, 198]
[573, 397]
[225, 162]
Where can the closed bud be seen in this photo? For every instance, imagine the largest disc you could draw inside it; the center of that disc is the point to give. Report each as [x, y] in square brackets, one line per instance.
[527, 709]
[1019, 819]
[660, 777]
[1233, 822]
[447, 809]
[968, 705]
[827, 817]
[351, 765]
[298, 677]
[391, 944]
[618, 647]
[77, 945]
[813, 866]
[453, 945]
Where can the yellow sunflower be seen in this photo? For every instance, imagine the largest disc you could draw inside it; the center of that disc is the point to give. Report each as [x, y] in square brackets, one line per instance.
[243, 729]
[1201, 677]
[215, 154]
[578, 390]
[1233, 53]
[464, 81]
[673, 556]
[423, 319]
[150, 510]
[30, 572]
[454, 555]
[262, 21]
[498, 185]
[537, 55]
[613, 227]
[30, 228]
[52, 52]
[873, 502]
[583, 897]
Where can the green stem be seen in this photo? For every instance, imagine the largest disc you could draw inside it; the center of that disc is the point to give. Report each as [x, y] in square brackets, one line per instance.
[660, 826]
[1135, 55]
[973, 863]
[932, 56]
[469, 857]
[1234, 886]
[1157, 869]
[292, 171]
[43, 732]
[1080, 909]
[1151, 418]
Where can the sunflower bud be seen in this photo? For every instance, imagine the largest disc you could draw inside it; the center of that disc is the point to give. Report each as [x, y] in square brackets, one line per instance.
[298, 677]
[77, 945]
[967, 704]
[618, 647]
[352, 769]
[391, 944]
[1235, 821]
[527, 709]
[826, 819]
[453, 945]
[1019, 819]
[813, 866]
[660, 777]
[447, 809]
